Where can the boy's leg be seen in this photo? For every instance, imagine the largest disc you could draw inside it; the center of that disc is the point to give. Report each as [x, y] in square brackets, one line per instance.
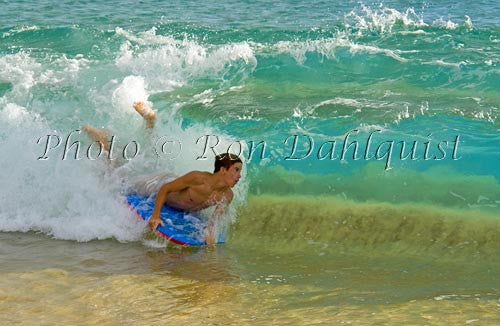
[146, 112]
[103, 137]
[98, 135]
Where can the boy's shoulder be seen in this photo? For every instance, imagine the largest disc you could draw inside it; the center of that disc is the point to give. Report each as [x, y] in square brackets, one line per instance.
[199, 176]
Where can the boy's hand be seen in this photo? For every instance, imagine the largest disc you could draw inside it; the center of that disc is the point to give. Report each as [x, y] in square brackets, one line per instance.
[154, 222]
[210, 238]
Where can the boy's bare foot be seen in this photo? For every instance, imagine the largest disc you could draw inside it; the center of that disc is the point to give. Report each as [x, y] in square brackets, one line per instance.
[146, 112]
[98, 135]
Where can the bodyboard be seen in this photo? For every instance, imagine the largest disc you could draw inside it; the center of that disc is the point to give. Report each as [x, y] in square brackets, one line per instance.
[181, 227]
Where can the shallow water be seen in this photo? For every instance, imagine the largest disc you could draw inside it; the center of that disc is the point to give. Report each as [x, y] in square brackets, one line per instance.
[385, 212]
[106, 282]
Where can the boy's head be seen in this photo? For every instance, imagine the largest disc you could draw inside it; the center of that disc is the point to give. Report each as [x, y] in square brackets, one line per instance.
[225, 160]
[230, 166]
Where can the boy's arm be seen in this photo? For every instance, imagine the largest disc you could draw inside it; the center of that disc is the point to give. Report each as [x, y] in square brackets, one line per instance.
[178, 184]
[219, 210]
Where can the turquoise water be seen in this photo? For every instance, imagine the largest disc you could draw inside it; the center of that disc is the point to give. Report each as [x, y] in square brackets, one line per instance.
[418, 72]
[423, 74]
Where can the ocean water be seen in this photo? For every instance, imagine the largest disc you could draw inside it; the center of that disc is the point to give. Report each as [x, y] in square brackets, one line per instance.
[369, 130]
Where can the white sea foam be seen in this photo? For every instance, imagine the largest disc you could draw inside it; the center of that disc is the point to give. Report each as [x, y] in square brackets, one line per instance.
[448, 24]
[417, 32]
[83, 199]
[359, 20]
[327, 48]
[381, 19]
[404, 114]
[20, 29]
[65, 199]
[167, 63]
[25, 72]
[468, 22]
[341, 101]
[236, 88]
[206, 97]
[440, 62]
[20, 70]
[373, 49]
[366, 128]
[356, 103]
[132, 89]
[485, 115]
[16, 114]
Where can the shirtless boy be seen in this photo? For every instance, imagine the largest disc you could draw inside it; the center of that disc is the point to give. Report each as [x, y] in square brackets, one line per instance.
[193, 191]
[197, 190]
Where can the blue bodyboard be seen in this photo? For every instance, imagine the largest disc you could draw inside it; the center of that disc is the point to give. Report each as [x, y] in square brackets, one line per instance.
[181, 227]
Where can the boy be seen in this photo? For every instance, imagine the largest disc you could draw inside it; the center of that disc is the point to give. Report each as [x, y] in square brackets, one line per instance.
[193, 191]
[197, 190]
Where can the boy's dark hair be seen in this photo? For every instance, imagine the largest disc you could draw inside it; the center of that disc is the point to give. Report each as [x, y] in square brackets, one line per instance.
[226, 160]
